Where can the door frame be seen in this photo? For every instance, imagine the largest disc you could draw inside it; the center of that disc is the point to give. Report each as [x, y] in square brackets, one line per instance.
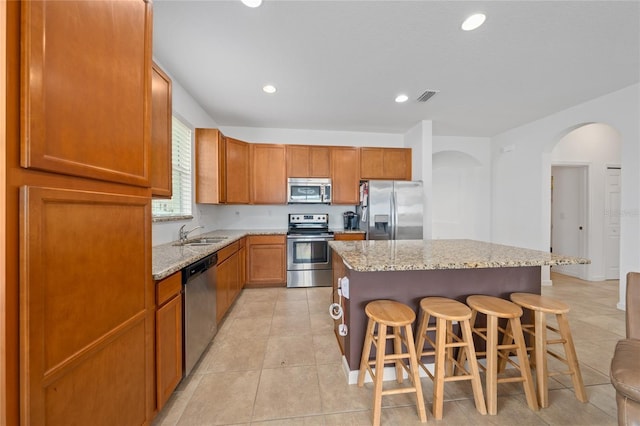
[585, 217]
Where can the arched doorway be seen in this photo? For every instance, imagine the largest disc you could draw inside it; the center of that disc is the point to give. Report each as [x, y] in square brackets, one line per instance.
[587, 153]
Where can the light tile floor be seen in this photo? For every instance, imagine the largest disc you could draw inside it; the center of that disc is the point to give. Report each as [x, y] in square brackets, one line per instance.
[275, 361]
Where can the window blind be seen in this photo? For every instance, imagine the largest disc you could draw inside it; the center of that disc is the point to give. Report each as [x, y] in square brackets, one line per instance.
[180, 202]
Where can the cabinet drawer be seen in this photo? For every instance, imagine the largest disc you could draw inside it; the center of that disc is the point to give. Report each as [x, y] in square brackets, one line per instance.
[266, 239]
[351, 236]
[224, 253]
[169, 287]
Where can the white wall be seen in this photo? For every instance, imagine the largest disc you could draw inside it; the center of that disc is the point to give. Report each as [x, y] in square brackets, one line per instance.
[313, 137]
[461, 187]
[521, 166]
[420, 140]
[596, 145]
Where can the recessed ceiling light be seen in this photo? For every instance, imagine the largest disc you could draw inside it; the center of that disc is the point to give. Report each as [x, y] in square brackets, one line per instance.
[269, 89]
[402, 98]
[473, 22]
[252, 3]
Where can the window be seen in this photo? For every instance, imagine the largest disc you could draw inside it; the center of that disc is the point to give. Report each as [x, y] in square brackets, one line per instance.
[180, 203]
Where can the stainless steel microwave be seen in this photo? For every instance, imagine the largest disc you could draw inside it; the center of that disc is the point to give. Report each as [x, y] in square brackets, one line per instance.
[309, 190]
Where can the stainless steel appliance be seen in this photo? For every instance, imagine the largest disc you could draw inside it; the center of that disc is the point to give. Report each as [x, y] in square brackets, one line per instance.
[391, 210]
[308, 251]
[199, 309]
[309, 190]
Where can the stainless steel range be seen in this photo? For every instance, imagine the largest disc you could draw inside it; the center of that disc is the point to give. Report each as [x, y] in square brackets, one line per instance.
[308, 251]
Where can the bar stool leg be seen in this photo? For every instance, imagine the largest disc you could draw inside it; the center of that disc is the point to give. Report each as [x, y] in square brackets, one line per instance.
[492, 365]
[397, 348]
[572, 358]
[523, 361]
[540, 356]
[415, 373]
[439, 368]
[476, 385]
[366, 351]
[377, 385]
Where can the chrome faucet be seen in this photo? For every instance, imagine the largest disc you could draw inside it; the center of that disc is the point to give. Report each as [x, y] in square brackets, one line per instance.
[182, 234]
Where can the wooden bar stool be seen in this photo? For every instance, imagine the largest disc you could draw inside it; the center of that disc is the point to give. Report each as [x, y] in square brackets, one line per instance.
[446, 311]
[541, 306]
[398, 316]
[495, 308]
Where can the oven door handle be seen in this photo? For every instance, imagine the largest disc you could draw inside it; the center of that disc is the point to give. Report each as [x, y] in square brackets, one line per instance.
[309, 239]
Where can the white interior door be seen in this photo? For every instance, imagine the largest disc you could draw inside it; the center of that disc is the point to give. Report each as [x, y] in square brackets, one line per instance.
[568, 216]
[612, 224]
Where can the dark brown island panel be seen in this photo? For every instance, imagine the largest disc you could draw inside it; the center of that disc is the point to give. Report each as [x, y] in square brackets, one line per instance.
[407, 271]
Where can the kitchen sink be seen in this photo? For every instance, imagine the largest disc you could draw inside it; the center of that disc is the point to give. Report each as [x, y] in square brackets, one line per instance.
[201, 241]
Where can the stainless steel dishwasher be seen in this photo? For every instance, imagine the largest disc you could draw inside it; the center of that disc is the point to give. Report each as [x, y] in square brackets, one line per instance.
[199, 287]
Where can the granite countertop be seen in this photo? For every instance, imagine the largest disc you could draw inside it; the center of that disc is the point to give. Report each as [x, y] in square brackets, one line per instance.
[169, 258]
[417, 255]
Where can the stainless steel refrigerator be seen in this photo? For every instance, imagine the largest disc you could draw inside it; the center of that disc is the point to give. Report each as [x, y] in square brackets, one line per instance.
[391, 210]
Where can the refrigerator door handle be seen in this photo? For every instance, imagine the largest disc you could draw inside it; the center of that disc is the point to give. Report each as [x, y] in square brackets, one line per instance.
[393, 216]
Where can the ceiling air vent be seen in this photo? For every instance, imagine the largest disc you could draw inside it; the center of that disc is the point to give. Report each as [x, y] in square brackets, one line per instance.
[427, 95]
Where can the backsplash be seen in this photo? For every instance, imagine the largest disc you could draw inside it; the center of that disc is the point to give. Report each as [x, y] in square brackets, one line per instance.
[214, 217]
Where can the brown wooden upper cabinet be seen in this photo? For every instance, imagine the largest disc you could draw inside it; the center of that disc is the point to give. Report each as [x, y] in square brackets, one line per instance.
[160, 133]
[385, 163]
[210, 170]
[308, 161]
[89, 123]
[345, 175]
[268, 174]
[222, 168]
[237, 162]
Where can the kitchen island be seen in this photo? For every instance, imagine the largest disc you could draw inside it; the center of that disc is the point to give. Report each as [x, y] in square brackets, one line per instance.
[408, 270]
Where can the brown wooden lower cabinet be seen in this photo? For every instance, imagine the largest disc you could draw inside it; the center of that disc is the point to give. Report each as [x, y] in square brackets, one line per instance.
[168, 337]
[351, 236]
[228, 284]
[266, 261]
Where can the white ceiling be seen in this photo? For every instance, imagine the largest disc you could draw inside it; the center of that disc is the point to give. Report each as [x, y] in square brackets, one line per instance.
[338, 65]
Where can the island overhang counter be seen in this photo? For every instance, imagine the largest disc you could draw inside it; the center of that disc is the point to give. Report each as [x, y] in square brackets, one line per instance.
[409, 270]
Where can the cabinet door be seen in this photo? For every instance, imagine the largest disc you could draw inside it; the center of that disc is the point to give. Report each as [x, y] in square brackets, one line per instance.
[168, 349]
[237, 171]
[266, 260]
[371, 163]
[268, 174]
[225, 275]
[397, 163]
[297, 161]
[242, 264]
[86, 85]
[160, 133]
[319, 161]
[87, 307]
[209, 166]
[345, 175]
[385, 163]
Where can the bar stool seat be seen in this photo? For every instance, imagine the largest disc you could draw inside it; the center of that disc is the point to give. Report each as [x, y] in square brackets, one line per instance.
[541, 306]
[496, 308]
[398, 316]
[446, 311]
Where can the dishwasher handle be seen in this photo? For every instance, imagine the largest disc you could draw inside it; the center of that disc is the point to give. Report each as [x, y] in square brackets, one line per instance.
[198, 267]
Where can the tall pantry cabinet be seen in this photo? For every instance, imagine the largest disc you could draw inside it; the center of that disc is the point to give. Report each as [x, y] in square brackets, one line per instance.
[79, 317]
